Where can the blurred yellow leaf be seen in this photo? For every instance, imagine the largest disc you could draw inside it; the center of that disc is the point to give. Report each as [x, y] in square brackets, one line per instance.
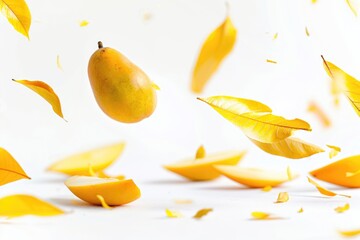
[353, 5]
[18, 15]
[275, 36]
[202, 212]
[172, 214]
[300, 210]
[10, 170]
[255, 119]
[325, 191]
[351, 233]
[58, 63]
[314, 108]
[98, 159]
[282, 197]
[103, 202]
[271, 61]
[83, 23]
[334, 150]
[183, 201]
[342, 209]
[290, 148]
[46, 92]
[307, 32]
[200, 153]
[344, 83]
[260, 215]
[21, 205]
[214, 50]
[267, 188]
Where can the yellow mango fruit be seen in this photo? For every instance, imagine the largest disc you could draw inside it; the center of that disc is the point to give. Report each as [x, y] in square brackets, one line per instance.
[122, 90]
[114, 192]
[253, 177]
[201, 169]
[338, 172]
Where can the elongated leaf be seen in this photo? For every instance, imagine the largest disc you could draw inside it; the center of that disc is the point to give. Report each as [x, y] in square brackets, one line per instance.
[10, 170]
[214, 50]
[254, 118]
[282, 197]
[345, 84]
[202, 212]
[21, 205]
[290, 148]
[46, 92]
[319, 113]
[350, 233]
[18, 15]
[325, 191]
[353, 5]
[334, 150]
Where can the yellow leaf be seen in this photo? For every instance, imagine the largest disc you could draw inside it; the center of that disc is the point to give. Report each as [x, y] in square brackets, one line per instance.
[271, 61]
[10, 170]
[290, 148]
[254, 118]
[103, 203]
[18, 15]
[282, 197]
[275, 36]
[334, 150]
[58, 63]
[342, 209]
[289, 173]
[344, 83]
[46, 92]
[214, 50]
[202, 212]
[307, 32]
[325, 191]
[155, 86]
[301, 210]
[200, 153]
[260, 215]
[172, 214]
[267, 188]
[98, 159]
[353, 6]
[183, 201]
[336, 172]
[83, 23]
[21, 205]
[319, 113]
[351, 233]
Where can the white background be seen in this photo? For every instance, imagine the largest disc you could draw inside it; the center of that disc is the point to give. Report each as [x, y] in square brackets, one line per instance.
[165, 47]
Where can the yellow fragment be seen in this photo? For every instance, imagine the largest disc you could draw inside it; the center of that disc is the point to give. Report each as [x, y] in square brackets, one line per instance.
[342, 209]
[103, 203]
[266, 188]
[202, 212]
[172, 214]
[282, 197]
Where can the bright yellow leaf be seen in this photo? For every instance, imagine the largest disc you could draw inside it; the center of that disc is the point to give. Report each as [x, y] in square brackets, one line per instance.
[214, 50]
[282, 197]
[342, 209]
[307, 32]
[83, 23]
[172, 214]
[18, 15]
[314, 108]
[46, 92]
[21, 205]
[290, 148]
[334, 150]
[200, 153]
[325, 191]
[267, 188]
[275, 36]
[260, 215]
[351, 233]
[98, 159]
[202, 212]
[271, 61]
[301, 210]
[337, 172]
[353, 5]
[10, 170]
[103, 202]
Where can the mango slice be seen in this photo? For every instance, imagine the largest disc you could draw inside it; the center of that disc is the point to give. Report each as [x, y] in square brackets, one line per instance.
[201, 169]
[97, 159]
[336, 173]
[114, 192]
[253, 177]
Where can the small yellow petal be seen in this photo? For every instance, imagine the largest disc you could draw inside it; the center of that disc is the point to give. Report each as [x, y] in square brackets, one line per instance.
[325, 191]
[342, 209]
[172, 214]
[271, 61]
[282, 197]
[202, 212]
[83, 23]
[260, 215]
[200, 153]
[267, 188]
[300, 210]
[351, 233]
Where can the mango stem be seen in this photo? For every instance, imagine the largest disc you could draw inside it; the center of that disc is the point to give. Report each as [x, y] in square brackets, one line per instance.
[100, 44]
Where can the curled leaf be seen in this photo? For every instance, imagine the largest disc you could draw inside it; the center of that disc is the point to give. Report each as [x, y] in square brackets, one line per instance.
[351, 233]
[214, 50]
[21, 205]
[202, 212]
[282, 197]
[103, 202]
[319, 113]
[342, 209]
[46, 92]
[325, 191]
[200, 153]
[10, 170]
[334, 150]
[172, 214]
[254, 118]
[18, 14]
[290, 148]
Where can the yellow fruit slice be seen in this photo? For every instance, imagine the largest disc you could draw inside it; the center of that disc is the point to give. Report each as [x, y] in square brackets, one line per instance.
[113, 191]
[201, 169]
[253, 177]
[98, 159]
[336, 173]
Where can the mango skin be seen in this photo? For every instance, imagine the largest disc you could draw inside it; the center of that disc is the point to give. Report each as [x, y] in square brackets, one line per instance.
[121, 89]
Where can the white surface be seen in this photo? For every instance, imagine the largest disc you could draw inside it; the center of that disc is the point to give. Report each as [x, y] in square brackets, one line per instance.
[166, 47]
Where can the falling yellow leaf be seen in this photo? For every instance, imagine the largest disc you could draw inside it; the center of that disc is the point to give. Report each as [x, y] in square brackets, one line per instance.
[172, 214]
[18, 15]
[58, 63]
[214, 50]
[255, 119]
[260, 215]
[344, 83]
[337, 172]
[10, 170]
[183, 201]
[351, 233]
[289, 173]
[353, 6]
[98, 159]
[334, 150]
[271, 61]
[307, 32]
[325, 191]
[21, 205]
[290, 148]
[83, 23]
[282, 197]
[46, 92]
[103, 202]
[301, 210]
[275, 36]
[319, 113]
[342, 209]
[202, 212]
[200, 153]
[267, 188]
